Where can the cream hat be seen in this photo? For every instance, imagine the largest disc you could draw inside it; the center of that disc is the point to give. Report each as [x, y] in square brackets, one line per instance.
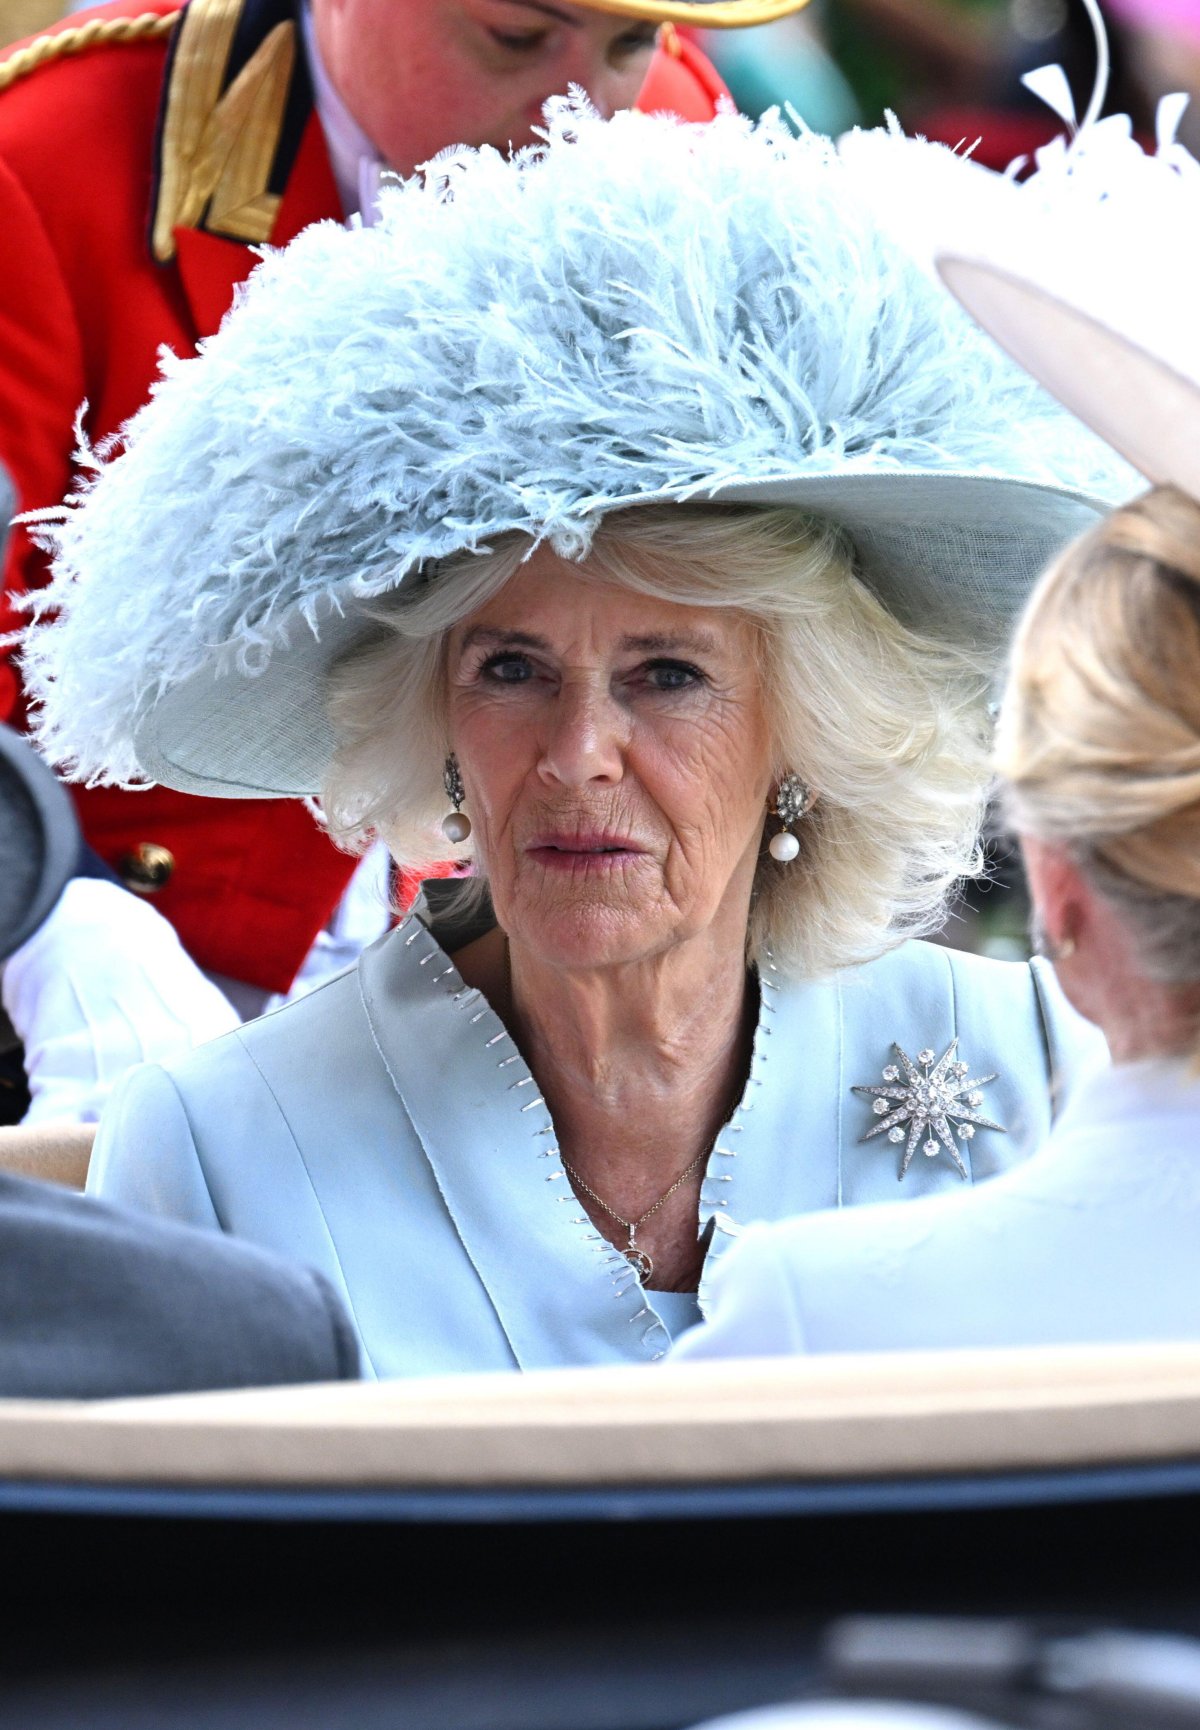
[1088, 274]
[1086, 271]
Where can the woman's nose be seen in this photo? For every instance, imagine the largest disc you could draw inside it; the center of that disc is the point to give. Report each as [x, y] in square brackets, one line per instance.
[585, 738]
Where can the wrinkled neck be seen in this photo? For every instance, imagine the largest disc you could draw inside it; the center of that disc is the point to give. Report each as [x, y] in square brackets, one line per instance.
[672, 1022]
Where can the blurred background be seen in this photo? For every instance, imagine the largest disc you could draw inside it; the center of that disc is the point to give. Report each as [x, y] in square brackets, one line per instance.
[951, 69]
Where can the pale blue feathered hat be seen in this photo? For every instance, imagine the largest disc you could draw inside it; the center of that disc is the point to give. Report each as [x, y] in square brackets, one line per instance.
[639, 311]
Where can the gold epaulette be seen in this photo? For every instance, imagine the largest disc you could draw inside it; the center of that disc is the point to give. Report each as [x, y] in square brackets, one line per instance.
[219, 143]
[96, 33]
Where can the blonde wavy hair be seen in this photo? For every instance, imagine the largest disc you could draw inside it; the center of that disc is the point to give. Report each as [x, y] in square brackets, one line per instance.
[888, 727]
[1099, 735]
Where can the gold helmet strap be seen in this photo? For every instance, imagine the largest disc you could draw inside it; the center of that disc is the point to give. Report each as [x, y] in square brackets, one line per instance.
[717, 14]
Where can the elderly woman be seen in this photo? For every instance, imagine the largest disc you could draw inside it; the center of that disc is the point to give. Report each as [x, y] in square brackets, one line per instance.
[1099, 749]
[640, 503]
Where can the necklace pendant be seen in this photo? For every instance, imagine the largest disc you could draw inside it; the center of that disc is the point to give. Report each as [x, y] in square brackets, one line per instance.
[638, 1260]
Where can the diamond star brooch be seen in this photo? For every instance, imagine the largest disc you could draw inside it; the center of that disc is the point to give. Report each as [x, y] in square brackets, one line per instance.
[929, 1098]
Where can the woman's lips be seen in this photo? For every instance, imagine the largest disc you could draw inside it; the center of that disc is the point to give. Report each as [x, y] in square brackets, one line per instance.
[583, 852]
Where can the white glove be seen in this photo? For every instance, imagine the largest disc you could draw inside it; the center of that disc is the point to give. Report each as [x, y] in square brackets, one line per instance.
[104, 983]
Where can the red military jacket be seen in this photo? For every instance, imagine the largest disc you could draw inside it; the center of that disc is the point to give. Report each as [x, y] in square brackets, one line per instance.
[138, 169]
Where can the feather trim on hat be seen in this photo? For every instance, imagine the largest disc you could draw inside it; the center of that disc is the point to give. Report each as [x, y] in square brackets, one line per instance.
[635, 308]
[1099, 221]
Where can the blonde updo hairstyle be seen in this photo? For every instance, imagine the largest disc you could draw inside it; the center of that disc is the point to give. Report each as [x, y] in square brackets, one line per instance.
[886, 726]
[1099, 736]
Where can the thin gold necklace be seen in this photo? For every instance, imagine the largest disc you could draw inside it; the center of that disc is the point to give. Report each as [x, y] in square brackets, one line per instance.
[638, 1259]
[641, 1262]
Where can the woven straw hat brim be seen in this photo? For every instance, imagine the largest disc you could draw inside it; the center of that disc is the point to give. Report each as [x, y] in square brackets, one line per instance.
[1133, 396]
[715, 14]
[952, 554]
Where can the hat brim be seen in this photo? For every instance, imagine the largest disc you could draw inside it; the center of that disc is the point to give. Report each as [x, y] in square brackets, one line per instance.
[1134, 398]
[953, 555]
[715, 14]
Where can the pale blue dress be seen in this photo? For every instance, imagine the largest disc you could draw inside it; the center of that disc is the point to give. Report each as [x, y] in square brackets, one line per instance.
[386, 1131]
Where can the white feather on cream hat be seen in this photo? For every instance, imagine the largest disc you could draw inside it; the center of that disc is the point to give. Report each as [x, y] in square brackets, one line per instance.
[640, 311]
[1088, 274]
[1086, 271]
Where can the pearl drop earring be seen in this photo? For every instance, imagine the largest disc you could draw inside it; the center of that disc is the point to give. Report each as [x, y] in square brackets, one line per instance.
[792, 800]
[456, 827]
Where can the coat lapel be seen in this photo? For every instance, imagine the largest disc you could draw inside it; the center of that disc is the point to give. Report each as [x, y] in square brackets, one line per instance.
[311, 194]
[240, 158]
[780, 1152]
[792, 1146]
[211, 268]
[562, 1293]
[797, 1142]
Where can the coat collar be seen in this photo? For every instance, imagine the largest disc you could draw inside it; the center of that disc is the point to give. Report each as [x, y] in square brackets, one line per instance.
[793, 1145]
[488, 1137]
[1111, 1097]
[211, 267]
[240, 160]
[491, 1143]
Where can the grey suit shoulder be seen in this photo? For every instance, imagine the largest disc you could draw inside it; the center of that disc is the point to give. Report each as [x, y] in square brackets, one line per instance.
[97, 1302]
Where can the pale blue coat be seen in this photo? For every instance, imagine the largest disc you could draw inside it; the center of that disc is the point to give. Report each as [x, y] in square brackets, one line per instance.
[386, 1131]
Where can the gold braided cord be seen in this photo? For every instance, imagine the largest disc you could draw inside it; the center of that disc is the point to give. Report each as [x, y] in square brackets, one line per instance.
[717, 14]
[96, 33]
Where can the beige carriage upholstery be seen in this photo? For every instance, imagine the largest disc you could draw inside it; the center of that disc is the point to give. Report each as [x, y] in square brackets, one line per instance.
[699, 1423]
[55, 1152]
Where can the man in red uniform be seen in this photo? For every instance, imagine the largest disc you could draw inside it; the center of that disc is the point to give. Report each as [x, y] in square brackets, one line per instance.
[145, 151]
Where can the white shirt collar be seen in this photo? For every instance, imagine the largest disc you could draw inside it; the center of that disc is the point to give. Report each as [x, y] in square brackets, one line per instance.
[357, 166]
[1116, 1093]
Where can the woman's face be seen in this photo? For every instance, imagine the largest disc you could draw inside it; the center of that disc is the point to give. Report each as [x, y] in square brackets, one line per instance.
[614, 751]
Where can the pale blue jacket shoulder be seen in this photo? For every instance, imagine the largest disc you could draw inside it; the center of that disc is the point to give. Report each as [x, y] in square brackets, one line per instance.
[386, 1131]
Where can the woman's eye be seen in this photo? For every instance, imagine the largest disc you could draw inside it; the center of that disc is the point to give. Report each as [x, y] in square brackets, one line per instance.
[672, 675]
[506, 669]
